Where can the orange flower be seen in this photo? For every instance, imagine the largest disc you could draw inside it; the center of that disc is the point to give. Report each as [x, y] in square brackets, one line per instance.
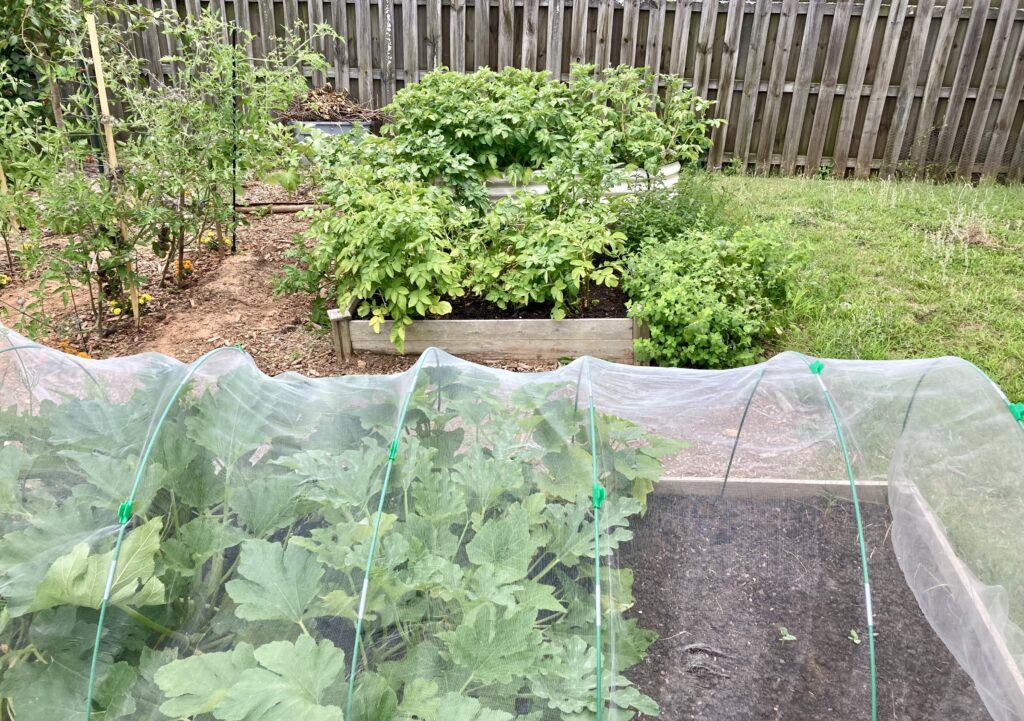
[83, 354]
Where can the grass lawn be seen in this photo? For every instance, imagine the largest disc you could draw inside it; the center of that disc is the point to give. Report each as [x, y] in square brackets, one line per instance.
[902, 269]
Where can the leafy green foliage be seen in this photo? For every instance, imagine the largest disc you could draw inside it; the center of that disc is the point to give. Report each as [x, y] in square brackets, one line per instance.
[239, 580]
[707, 295]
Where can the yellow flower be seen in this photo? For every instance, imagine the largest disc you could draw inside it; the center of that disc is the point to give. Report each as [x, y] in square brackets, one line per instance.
[186, 264]
[4, 279]
[146, 297]
[116, 311]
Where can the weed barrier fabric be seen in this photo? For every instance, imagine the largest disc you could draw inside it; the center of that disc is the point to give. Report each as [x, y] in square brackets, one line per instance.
[459, 543]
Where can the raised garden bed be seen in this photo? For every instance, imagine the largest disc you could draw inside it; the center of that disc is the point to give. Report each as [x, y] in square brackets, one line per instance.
[519, 338]
[669, 176]
[717, 579]
[330, 112]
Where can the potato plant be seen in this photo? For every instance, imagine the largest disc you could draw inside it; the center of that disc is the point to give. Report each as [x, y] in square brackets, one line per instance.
[237, 591]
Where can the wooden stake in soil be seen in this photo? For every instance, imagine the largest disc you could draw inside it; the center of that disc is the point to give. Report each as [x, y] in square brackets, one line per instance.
[108, 135]
[13, 219]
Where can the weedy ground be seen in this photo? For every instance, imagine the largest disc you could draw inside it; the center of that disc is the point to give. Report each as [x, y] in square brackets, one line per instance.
[901, 269]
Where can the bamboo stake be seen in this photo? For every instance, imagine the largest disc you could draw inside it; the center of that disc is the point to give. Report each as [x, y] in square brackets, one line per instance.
[13, 219]
[108, 135]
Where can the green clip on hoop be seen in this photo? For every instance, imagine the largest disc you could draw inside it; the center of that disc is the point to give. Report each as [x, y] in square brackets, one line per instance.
[1017, 409]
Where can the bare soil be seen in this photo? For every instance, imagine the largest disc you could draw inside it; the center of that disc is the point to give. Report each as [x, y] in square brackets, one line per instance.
[603, 302]
[717, 580]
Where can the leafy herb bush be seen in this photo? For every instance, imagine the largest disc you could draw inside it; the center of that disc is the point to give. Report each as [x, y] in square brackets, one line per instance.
[237, 588]
[524, 253]
[694, 201]
[707, 294]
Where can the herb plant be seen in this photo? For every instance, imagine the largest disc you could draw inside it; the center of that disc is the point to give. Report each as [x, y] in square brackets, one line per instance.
[239, 578]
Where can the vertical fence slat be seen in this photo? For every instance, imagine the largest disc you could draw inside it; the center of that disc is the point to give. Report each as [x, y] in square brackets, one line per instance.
[776, 81]
[410, 42]
[730, 56]
[630, 28]
[266, 39]
[603, 34]
[827, 90]
[958, 94]
[433, 39]
[555, 20]
[987, 89]
[339, 19]
[151, 45]
[457, 40]
[290, 8]
[316, 17]
[933, 84]
[1007, 111]
[680, 37]
[364, 51]
[388, 70]
[242, 16]
[655, 30]
[193, 9]
[705, 47]
[911, 77]
[855, 86]
[506, 32]
[482, 32]
[531, 17]
[752, 79]
[578, 36]
[880, 88]
[802, 85]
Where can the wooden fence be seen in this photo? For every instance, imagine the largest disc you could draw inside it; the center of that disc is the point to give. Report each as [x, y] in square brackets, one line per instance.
[806, 86]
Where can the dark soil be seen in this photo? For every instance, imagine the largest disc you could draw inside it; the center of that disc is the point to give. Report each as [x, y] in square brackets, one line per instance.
[717, 580]
[604, 303]
[325, 105]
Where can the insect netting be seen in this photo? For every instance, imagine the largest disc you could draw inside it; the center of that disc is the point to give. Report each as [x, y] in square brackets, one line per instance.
[799, 539]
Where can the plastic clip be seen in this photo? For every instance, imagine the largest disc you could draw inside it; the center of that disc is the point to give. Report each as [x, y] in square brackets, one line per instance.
[1017, 409]
[817, 367]
[393, 450]
[124, 512]
[599, 494]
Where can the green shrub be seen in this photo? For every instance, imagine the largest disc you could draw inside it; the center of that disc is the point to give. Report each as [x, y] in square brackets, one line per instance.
[524, 253]
[707, 294]
[667, 212]
[386, 239]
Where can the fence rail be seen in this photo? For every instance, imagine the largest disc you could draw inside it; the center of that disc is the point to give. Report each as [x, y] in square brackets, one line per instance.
[807, 87]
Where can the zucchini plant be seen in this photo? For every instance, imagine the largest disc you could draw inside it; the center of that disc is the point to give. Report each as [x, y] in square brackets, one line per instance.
[237, 591]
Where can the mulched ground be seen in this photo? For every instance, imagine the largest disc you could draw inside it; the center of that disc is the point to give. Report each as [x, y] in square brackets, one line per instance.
[717, 580]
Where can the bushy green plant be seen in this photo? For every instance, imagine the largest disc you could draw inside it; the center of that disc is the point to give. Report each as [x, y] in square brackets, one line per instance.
[237, 588]
[386, 239]
[667, 212]
[524, 253]
[707, 294]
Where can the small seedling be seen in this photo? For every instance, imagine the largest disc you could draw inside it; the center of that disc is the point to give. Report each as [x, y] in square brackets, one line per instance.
[785, 635]
[854, 636]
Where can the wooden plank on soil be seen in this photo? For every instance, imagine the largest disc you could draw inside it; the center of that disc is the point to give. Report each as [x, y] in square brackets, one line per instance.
[730, 56]
[867, 491]
[434, 36]
[506, 32]
[780, 62]
[410, 42]
[854, 86]
[1007, 110]
[911, 74]
[933, 84]
[990, 76]
[364, 52]
[827, 90]
[880, 87]
[958, 95]
[752, 80]
[531, 22]
[802, 85]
